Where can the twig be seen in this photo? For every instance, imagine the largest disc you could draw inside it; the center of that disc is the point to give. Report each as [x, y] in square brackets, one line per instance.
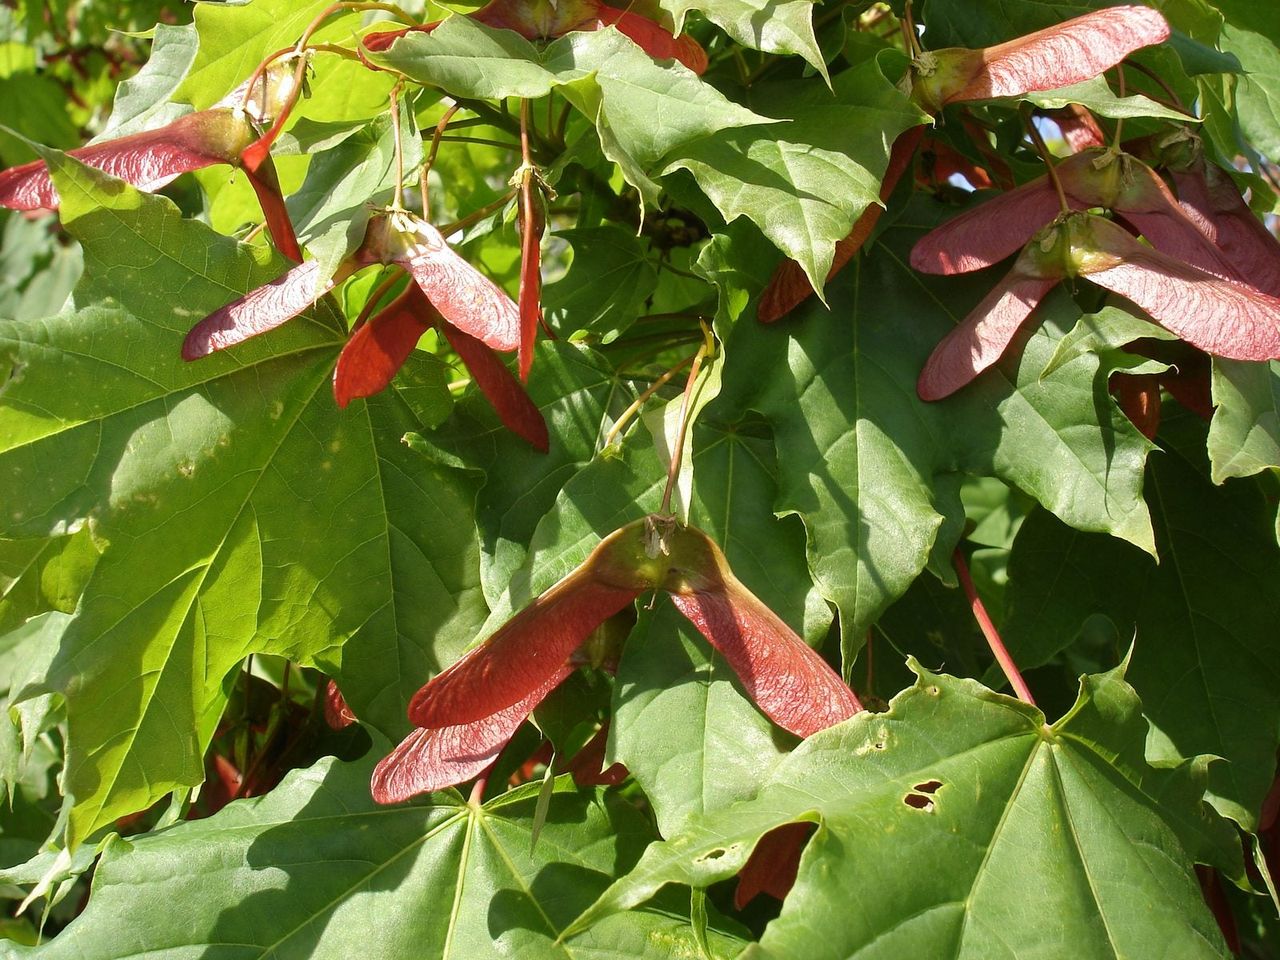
[677, 451]
[1043, 150]
[626, 415]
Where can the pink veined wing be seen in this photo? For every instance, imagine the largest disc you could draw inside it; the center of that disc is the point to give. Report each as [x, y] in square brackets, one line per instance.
[1147, 204]
[256, 312]
[336, 712]
[1211, 198]
[1221, 317]
[982, 337]
[432, 759]
[788, 681]
[521, 656]
[148, 160]
[464, 296]
[1067, 53]
[989, 232]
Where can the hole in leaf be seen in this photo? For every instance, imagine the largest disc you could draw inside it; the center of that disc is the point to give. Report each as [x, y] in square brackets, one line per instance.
[919, 801]
[933, 691]
[879, 745]
[712, 855]
[929, 786]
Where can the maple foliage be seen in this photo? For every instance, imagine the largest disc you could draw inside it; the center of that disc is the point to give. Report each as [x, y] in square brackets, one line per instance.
[718, 478]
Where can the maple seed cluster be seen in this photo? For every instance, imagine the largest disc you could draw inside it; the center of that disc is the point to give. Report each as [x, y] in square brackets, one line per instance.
[1058, 56]
[465, 715]
[1209, 272]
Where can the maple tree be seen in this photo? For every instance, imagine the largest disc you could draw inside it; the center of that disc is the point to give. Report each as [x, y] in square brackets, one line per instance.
[697, 478]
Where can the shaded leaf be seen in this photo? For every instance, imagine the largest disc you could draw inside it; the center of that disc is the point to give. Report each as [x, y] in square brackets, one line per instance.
[40, 575]
[606, 285]
[858, 431]
[1201, 621]
[682, 725]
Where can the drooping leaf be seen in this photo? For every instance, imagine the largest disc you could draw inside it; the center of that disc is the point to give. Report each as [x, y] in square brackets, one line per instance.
[1244, 435]
[1257, 102]
[805, 182]
[735, 486]
[774, 26]
[263, 519]
[1096, 95]
[1103, 332]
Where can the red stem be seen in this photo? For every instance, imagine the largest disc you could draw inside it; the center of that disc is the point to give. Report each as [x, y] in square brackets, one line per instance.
[476, 798]
[989, 631]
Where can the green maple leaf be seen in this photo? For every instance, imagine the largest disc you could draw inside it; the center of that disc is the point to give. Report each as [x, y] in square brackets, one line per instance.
[960, 824]
[244, 512]
[805, 182]
[315, 869]
[1202, 620]
[774, 26]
